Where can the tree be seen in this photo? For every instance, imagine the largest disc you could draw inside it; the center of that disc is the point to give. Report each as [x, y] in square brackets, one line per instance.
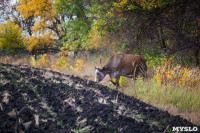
[10, 36]
[169, 27]
[46, 21]
[76, 22]
[40, 42]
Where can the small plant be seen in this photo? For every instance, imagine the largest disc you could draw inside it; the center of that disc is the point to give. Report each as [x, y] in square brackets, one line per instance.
[60, 123]
[7, 59]
[33, 61]
[44, 60]
[37, 94]
[41, 89]
[110, 89]
[140, 116]
[61, 62]
[16, 84]
[45, 114]
[77, 130]
[79, 64]
[122, 80]
[29, 86]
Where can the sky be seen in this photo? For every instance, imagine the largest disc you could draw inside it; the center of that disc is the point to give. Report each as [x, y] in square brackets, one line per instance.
[3, 14]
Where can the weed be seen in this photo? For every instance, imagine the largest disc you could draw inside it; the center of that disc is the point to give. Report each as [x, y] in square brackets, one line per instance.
[29, 86]
[44, 60]
[122, 80]
[77, 130]
[60, 123]
[79, 65]
[7, 59]
[41, 89]
[140, 116]
[33, 61]
[45, 114]
[37, 94]
[110, 89]
[16, 84]
[61, 63]
[49, 108]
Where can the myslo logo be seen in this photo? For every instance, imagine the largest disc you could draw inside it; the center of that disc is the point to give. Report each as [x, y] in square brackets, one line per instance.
[185, 129]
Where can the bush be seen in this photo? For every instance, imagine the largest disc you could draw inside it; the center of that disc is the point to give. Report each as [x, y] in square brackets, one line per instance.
[10, 36]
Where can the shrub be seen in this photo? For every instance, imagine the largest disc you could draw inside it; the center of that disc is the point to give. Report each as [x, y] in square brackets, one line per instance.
[79, 65]
[44, 60]
[62, 61]
[177, 75]
[122, 80]
[10, 36]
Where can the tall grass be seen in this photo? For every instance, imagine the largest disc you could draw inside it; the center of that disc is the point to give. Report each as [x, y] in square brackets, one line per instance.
[180, 96]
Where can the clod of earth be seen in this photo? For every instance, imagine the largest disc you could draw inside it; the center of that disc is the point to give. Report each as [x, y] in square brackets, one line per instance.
[39, 100]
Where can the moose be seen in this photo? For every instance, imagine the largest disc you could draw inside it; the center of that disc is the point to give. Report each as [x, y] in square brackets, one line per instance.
[127, 65]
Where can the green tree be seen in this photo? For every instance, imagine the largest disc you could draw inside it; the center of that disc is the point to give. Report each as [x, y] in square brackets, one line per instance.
[164, 27]
[77, 22]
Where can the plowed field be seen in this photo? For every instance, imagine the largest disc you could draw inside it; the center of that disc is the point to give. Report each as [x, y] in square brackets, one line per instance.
[40, 100]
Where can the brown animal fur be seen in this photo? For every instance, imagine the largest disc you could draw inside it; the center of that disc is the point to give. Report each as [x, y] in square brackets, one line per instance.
[127, 65]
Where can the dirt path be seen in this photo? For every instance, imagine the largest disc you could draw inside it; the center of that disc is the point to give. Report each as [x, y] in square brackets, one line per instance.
[39, 100]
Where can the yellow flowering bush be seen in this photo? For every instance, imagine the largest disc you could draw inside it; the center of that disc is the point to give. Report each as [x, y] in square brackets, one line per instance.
[44, 60]
[167, 73]
[61, 62]
[78, 66]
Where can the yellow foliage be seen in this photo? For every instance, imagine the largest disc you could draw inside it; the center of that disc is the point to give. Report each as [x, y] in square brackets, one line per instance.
[149, 4]
[44, 40]
[93, 41]
[44, 60]
[122, 80]
[42, 9]
[62, 53]
[79, 64]
[33, 61]
[121, 3]
[61, 62]
[7, 59]
[10, 35]
[177, 75]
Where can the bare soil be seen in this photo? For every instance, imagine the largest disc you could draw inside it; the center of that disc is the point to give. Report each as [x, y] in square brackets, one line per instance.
[40, 100]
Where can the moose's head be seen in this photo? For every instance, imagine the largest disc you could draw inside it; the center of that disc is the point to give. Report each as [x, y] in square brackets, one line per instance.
[99, 74]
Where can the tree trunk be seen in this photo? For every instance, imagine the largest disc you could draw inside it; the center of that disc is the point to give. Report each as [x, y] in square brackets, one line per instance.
[163, 45]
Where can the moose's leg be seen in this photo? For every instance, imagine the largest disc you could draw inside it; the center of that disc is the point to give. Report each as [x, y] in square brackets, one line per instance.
[135, 73]
[112, 82]
[116, 76]
[117, 83]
